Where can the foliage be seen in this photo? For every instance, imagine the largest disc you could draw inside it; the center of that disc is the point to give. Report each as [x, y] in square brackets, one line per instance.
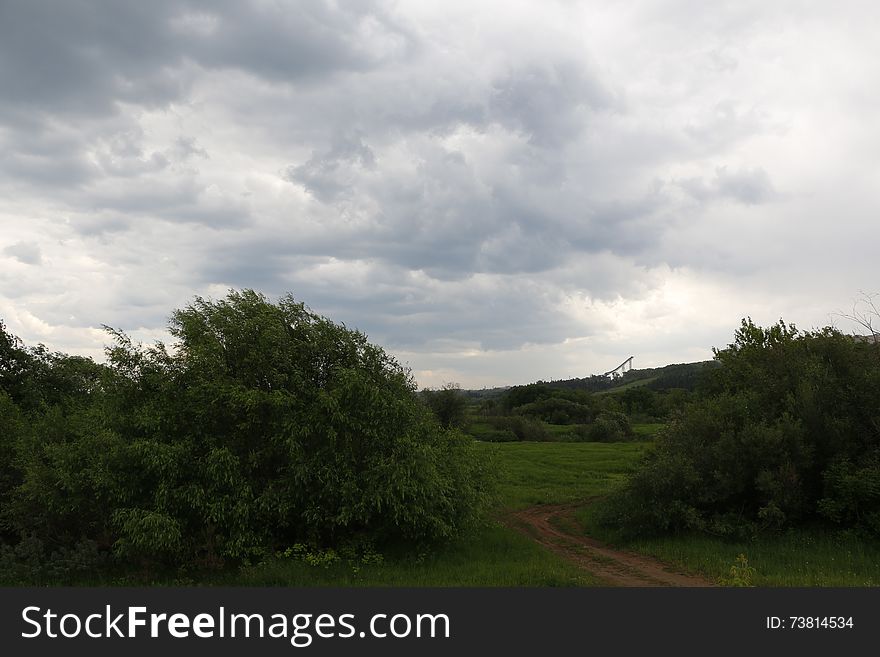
[741, 573]
[448, 404]
[609, 427]
[787, 431]
[557, 410]
[265, 425]
[522, 428]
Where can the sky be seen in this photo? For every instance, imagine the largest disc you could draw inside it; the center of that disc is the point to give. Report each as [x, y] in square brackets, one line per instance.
[495, 192]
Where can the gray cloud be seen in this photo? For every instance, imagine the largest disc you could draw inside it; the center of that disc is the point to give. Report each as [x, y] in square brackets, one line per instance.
[749, 186]
[470, 184]
[549, 104]
[25, 252]
[331, 174]
[82, 57]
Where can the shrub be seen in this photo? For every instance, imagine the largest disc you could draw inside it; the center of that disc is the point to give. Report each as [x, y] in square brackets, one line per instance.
[557, 411]
[522, 428]
[265, 426]
[448, 404]
[786, 432]
[609, 427]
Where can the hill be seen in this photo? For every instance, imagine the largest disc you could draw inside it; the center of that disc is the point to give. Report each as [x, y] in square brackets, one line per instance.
[678, 375]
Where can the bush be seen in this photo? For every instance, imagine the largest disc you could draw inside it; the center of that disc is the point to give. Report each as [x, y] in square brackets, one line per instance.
[557, 411]
[522, 428]
[265, 426]
[609, 427]
[786, 432]
[448, 404]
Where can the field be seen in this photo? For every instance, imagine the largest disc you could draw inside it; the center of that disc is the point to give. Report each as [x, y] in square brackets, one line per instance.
[491, 555]
[560, 473]
[555, 473]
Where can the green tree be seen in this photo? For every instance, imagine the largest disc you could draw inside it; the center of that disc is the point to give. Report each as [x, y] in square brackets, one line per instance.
[449, 405]
[264, 425]
[786, 431]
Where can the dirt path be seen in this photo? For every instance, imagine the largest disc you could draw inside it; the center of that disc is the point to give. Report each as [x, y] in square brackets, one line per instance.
[547, 525]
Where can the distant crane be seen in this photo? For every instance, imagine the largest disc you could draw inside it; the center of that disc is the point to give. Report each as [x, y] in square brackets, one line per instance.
[625, 366]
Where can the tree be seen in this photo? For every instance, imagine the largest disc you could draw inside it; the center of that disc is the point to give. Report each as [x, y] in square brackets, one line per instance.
[15, 366]
[265, 425]
[787, 431]
[866, 314]
[448, 404]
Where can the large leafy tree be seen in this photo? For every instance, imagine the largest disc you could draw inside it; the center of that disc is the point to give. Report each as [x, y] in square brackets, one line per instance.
[264, 424]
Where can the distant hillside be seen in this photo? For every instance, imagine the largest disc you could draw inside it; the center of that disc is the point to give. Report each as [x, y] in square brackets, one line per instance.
[678, 375]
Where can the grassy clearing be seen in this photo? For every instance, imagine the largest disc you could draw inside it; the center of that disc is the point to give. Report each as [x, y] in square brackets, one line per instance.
[562, 431]
[647, 430]
[796, 558]
[627, 386]
[484, 431]
[554, 473]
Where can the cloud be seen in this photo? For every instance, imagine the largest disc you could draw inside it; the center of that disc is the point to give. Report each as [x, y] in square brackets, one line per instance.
[748, 186]
[496, 192]
[549, 104]
[329, 175]
[27, 253]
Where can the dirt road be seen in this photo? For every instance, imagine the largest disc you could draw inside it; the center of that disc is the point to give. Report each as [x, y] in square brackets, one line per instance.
[547, 524]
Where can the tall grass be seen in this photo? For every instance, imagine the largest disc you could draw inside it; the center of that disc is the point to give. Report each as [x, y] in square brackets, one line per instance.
[798, 557]
[492, 555]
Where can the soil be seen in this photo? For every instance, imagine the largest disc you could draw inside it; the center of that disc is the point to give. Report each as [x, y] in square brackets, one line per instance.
[555, 527]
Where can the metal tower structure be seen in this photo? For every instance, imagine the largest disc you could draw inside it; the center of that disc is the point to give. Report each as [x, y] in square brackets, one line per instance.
[625, 366]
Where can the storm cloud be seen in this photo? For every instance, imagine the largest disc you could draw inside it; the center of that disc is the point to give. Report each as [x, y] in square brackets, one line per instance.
[495, 192]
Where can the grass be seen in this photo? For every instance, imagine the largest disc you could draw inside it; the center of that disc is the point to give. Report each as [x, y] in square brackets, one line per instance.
[647, 430]
[490, 555]
[554, 473]
[484, 431]
[626, 386]
[798, 557]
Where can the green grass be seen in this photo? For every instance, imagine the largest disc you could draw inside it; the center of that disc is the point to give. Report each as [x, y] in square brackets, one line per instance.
[798, 557]
[492, 555]
[560, 431]
[647, 430]
[484, 431]
[554, 473]
[626, 386]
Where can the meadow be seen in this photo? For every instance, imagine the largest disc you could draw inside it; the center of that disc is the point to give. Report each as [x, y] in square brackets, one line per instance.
[494, 554]
[242, 462]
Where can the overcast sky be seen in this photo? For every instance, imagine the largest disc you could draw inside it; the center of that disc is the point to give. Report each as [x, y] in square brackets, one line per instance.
[496, 192]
